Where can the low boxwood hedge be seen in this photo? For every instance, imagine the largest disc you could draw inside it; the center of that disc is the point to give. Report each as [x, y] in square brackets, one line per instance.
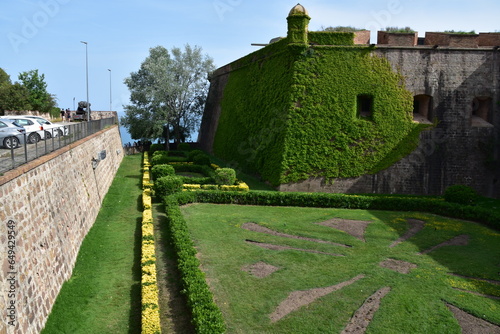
[206, 315]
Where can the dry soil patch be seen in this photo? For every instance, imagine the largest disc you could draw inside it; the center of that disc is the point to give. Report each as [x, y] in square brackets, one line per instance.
[356, 228]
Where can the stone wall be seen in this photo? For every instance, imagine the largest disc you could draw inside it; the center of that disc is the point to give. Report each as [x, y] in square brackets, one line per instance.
[462, 148]
[47, 208]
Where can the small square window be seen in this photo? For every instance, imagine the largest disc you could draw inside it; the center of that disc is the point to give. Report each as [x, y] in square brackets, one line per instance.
[365, 105]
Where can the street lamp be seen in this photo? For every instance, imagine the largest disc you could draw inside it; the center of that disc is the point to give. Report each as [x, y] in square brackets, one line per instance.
[110, 104]
[87, 77]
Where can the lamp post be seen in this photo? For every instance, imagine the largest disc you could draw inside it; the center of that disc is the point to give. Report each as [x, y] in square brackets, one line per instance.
[87, 78]
[110, 103]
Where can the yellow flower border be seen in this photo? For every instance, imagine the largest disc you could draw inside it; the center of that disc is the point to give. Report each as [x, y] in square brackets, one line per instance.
[150, 317]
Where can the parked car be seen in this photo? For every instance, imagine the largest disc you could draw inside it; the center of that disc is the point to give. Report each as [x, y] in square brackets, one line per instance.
[34, 130]
[11, 134]
[51, 129]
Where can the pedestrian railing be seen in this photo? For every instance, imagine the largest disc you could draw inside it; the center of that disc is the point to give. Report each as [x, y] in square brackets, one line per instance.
[55, 138]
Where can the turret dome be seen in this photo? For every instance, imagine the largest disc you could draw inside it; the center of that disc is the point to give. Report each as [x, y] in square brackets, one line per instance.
[298, 10]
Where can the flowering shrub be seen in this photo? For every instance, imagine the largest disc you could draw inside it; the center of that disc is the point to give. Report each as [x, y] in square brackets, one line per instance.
[191, 186]
[150, 317]
[242, 186]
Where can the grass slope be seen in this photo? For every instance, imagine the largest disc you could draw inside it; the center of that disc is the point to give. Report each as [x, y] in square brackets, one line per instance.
[103, 295]
[415, 304]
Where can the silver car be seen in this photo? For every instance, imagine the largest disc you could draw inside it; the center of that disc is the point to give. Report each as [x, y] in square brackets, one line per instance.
[11, 134]
[34, 130]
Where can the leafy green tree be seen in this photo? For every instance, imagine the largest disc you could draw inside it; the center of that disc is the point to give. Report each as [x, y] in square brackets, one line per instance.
[4, 78]
[12, 96]
[169, 89]
[39, 98]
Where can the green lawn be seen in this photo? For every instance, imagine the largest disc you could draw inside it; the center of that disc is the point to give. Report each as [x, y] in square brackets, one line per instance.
[415, 304]
[104, 295]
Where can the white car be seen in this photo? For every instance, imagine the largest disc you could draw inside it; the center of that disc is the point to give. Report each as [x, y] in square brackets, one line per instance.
[51, 129]
[34, 130]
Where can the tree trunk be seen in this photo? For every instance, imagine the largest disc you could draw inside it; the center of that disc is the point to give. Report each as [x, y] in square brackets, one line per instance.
[177, 130]
[166, 135]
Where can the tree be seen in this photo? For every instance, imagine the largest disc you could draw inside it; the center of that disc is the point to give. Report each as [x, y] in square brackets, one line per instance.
[12, 96]
[39, 98]
[4, 78]
[168, 89]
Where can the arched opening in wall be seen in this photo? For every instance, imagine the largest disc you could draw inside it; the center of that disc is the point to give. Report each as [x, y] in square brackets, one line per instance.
[422, 109]
[364, 104]
[481, 111]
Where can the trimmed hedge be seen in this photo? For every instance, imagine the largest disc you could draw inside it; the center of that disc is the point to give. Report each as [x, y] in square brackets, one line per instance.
[202, 169]
[167, 185]
[159, 158]
[184, 147]
[324, 200]
[193, 153]
[162, 170]
[206, 316]
[201, 159]
[225, 176]
[460, 194]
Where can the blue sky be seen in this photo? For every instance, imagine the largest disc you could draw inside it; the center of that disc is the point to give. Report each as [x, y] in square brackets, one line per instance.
[46, 34]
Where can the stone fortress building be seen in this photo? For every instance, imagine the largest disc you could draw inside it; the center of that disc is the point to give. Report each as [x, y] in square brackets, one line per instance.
[328, 111]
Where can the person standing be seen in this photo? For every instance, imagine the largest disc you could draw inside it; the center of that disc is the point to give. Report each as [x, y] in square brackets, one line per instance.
[62, 114]
[68, 115]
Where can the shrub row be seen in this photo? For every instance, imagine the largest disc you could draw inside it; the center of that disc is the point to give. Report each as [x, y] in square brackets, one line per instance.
[206, 316]
[241, 186]
[195, 168]
[150, 316]
[323, 200]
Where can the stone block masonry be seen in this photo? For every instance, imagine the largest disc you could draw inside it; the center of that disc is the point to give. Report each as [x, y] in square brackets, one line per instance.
[47, 207]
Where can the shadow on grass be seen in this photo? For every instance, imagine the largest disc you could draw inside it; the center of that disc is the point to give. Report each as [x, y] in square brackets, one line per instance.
[135, 291]
[175, 315]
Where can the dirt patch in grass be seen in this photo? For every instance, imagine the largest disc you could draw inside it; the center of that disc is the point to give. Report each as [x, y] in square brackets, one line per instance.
[260, 269]
[471, 324]
[415, 227]
[298, 299]
[399, 266]
[279, 247]
[460, 240]
[250, 226]
[364, 315]
[356, 228]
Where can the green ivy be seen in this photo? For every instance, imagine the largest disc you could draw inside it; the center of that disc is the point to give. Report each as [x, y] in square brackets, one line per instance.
[289, 112]
[331, 38]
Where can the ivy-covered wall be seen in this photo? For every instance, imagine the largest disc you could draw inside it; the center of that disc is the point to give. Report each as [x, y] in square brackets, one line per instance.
[255, 110]
[290, 112]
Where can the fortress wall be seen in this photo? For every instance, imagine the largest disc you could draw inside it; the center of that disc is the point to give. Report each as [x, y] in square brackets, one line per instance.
[459, 149]
[213, 108]
[47, 208]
